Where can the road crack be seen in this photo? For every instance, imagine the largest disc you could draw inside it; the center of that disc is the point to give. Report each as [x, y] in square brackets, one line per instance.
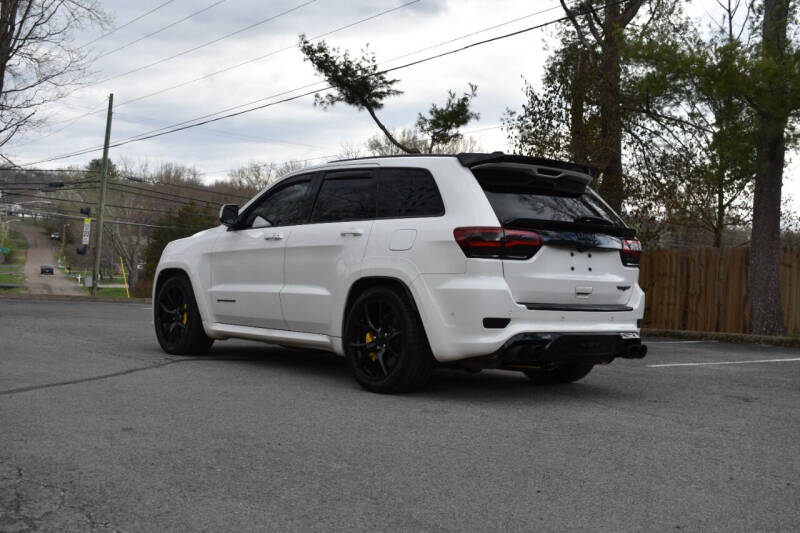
[134, 370]
[28, 505]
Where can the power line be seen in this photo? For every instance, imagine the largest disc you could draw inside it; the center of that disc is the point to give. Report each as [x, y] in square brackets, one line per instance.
[226, 69]
[21, 170]
[182, 186]
[116, 221]
[264, 56]
[209, 43]
[143, 15]
[216, 131]
[188, 125]
[146, 193]
[472, 34]
[156, 32]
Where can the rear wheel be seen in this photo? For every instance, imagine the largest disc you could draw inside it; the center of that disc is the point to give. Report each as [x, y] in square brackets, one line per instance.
[179, 327]
[385, 344]
[562, 373]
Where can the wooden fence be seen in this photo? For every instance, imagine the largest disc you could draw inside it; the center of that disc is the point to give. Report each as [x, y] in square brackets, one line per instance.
[707, 289]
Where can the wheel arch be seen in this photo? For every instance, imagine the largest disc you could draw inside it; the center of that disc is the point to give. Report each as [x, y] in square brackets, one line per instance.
[362, 284]
[167, 273]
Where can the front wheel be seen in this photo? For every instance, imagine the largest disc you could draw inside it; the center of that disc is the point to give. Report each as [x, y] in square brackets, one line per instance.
[562, 373]
[385, 344]
[179, 327]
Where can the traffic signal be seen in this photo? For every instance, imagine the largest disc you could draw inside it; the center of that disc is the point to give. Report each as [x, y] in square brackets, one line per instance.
[82, 250]
[86, 211]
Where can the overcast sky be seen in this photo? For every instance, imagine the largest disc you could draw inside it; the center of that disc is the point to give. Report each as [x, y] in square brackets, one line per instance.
[296, 129]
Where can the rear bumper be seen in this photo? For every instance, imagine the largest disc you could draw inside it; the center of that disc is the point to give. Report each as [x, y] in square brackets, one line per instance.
[453, 309]
[535, 350]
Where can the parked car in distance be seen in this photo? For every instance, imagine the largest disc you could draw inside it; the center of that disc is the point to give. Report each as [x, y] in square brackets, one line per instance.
[402, 264]
[46, 269]
[56, 236]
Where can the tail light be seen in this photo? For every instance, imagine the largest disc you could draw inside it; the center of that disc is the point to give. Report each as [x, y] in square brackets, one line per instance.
[497, 243]
[631, 252]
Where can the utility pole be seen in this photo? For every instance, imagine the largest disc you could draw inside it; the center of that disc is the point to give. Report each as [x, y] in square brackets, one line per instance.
[98, 246]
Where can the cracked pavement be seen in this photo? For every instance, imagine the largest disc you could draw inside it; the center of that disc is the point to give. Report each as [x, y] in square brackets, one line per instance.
[101, 431]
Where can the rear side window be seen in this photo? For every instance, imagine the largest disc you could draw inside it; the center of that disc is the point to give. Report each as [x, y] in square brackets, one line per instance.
[513, 202]
[408, 192]
[345, 196]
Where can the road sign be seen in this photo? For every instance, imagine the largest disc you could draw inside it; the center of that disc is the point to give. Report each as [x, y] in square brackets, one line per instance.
[87, 229]
[5, 250]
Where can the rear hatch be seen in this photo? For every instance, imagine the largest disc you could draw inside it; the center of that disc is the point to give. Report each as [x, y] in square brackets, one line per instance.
[579, 265]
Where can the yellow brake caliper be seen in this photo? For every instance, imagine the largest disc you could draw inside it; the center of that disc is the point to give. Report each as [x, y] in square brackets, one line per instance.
[369, 337]
[185, 316]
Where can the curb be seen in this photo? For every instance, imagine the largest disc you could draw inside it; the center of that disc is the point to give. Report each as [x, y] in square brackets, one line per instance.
[738, 338]
[67, 298]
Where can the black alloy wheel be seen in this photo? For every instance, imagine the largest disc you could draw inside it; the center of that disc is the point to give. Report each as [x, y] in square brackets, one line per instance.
[179, 327]
[385, 343]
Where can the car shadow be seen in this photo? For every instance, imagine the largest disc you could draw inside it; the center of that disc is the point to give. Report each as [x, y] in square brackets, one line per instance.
[488, 386]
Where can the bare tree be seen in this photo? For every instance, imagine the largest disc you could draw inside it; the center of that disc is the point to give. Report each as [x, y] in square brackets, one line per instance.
[38, 61]
[256, 175]
[378, 145]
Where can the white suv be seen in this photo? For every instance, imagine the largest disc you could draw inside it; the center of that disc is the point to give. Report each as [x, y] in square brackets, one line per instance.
[401, 264]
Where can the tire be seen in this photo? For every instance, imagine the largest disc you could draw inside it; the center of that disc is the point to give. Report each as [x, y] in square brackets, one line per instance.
[178, 324]
[385, 344]
[563, 373]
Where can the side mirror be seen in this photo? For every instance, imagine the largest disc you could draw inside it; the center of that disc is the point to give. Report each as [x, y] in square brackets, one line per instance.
[229, 214]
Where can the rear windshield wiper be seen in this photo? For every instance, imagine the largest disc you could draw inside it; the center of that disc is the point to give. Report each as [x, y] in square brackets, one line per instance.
[593, 220]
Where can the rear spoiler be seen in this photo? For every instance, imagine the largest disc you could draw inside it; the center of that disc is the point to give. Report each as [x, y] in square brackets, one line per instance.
[471, 160]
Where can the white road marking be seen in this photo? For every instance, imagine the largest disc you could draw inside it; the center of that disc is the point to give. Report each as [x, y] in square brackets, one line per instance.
[795, 359]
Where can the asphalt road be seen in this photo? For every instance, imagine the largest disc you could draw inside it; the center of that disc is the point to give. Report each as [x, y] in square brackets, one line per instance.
[99, 430]
[41, 251]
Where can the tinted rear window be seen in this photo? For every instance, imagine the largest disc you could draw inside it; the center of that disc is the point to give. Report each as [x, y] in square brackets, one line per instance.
[512, 202]
[345, 197]
[408, 192]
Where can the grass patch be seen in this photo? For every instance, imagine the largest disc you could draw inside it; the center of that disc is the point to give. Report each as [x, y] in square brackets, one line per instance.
[111, 292]
[11, 277]
[11, 271]
[16, 290]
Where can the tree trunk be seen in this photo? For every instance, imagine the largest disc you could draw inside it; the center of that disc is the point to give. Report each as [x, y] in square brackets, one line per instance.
[765, 248]
[8, 21]
[578, 138]
[611, 187]
[388, 134]
[719, 224]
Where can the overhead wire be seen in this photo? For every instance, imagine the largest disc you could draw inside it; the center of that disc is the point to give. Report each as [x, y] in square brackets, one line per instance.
[159, 30]
[209, 43]
[259, 58]
[73, 120]
[116, 29]
[193, 124]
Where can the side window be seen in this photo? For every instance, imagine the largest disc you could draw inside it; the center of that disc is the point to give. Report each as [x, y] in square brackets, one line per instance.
[408, 192]
[345, 196]
[288, 206]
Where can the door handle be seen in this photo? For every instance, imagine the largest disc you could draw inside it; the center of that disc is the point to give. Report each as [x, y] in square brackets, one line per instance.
[353, 233]
[274, 237]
